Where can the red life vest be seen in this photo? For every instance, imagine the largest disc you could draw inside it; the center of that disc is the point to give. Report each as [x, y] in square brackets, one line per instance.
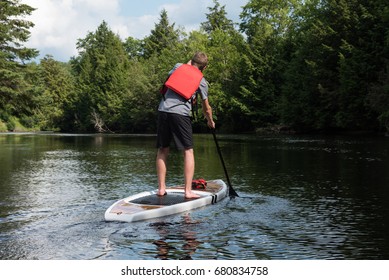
[199, 184]
[185, 80]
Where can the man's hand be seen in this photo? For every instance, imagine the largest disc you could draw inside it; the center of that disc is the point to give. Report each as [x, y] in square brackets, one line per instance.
[211, 124]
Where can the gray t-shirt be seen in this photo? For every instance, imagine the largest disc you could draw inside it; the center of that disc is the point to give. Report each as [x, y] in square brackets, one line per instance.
[174, 103]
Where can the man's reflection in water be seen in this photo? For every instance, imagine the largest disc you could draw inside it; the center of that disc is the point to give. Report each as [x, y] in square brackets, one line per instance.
[182, 232]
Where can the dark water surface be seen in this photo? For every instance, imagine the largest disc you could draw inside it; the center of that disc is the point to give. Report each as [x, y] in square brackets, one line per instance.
[308, 198]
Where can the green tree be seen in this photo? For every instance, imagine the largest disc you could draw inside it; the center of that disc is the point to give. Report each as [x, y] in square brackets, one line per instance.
[300, 102]
[266, 25]
[102, 80]
[139, 106]
[378, 99]
[217, 19]
[57, 96]
[163, 36]
[339, 55]
[224, 46]
[133, 48]
[378, 96]
[14, 31]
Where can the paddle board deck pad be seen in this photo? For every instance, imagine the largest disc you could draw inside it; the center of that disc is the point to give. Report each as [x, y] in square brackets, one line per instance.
[148, 205]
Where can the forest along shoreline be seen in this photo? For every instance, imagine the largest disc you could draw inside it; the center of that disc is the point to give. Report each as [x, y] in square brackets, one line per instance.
[289, 67]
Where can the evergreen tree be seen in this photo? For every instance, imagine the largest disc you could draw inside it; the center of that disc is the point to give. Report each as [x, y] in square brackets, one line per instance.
[58, 95]
[378, 94]
[217, 19]
[139, 106]
[133, 48]
[340, 51]
[163, 36]
[224, 47]
[14, 31]
[266, 25]
[102, 80]
[300, 103]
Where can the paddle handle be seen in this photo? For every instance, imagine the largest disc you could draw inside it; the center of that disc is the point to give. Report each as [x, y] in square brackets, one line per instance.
[231, 191]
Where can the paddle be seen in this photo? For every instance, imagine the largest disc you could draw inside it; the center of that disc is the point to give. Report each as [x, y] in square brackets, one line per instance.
[231, 191]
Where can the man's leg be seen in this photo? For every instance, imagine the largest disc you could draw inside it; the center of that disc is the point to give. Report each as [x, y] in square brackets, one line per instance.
[189, 166]
[161, 163]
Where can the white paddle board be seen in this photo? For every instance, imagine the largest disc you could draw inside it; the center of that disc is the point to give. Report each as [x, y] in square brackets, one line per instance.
[148, 205]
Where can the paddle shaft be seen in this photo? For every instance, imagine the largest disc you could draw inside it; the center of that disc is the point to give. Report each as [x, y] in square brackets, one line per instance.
[231, 191]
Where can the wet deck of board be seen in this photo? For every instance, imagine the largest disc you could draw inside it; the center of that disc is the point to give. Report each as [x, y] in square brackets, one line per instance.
[170, 199]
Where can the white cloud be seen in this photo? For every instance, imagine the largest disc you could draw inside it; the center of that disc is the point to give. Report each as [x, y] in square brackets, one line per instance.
[60, 23]
[187, 13]
[137, 27]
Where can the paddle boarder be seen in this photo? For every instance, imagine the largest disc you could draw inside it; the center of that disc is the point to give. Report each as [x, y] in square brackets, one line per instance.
[174, 118]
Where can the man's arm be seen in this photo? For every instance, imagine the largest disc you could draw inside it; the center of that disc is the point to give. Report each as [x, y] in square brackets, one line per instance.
[207, 110]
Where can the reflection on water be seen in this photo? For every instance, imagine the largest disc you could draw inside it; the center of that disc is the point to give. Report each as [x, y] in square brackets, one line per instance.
[301, 198]
[181, 231]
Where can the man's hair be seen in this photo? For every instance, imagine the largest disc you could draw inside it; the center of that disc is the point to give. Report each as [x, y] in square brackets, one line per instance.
[200, 60]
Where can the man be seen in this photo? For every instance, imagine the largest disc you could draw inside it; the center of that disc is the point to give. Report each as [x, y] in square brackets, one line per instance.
[174, 121]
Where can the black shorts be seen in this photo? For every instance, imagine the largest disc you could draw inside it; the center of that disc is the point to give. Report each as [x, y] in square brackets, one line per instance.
[176, 127]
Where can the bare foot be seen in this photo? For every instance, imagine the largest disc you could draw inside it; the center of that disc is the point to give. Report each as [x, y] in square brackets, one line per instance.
[161, 193]
[191, 195]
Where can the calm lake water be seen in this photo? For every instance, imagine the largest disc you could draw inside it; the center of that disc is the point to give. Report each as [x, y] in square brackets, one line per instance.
[301, 198]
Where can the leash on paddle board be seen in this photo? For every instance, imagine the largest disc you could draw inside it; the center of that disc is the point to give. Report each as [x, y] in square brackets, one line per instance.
[231, 191]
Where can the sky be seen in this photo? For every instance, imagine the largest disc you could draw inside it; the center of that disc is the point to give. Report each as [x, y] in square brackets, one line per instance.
[60, 23]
